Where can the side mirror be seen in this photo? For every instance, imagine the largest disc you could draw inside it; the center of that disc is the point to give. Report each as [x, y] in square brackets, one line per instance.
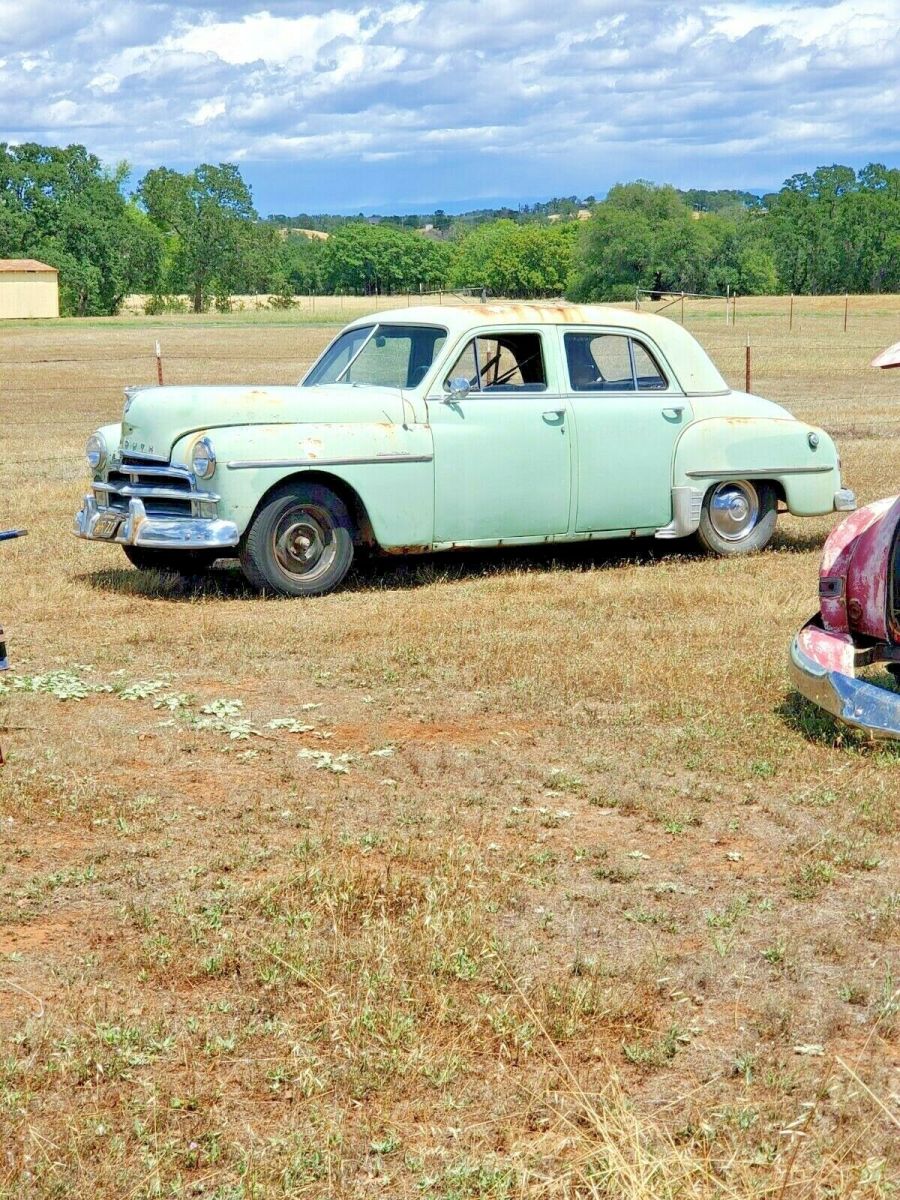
[459, 388]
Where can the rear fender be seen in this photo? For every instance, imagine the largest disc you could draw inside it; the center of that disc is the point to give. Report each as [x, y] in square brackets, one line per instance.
[762, 448]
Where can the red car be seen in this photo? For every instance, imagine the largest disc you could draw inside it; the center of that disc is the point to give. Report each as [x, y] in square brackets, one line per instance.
[858, 623]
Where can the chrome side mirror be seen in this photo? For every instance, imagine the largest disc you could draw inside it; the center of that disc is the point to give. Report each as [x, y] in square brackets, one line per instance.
[459, 388]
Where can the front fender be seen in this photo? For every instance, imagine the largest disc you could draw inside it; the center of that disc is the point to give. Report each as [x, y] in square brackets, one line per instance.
[387, 465]
[761, 448]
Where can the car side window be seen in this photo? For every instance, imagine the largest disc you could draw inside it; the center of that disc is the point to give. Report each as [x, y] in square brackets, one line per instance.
[502, 362]
[611, 362]
[647, 371]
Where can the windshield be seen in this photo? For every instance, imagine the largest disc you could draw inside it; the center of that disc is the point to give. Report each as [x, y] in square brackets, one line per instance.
[379, 355]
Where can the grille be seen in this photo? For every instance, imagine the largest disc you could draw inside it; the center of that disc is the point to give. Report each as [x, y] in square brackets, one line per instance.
[164, 490]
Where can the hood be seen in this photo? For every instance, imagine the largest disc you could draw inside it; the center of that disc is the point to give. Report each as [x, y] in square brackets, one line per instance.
[156, 417]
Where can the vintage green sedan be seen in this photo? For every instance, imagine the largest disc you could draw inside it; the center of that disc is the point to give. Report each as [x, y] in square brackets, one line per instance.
[438, 428]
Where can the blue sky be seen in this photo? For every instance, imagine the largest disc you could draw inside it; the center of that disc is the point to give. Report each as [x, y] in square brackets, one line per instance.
[412, 103]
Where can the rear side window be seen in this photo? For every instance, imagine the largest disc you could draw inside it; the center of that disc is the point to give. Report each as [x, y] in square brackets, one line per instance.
[502, 362]
[611, 362]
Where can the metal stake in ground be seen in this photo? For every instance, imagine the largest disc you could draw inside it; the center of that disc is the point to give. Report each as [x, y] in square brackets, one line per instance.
[5, 536]
[747, 365]
[159, 365]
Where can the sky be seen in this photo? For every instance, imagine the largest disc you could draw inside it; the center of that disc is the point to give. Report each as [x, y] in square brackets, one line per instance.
[406, 105]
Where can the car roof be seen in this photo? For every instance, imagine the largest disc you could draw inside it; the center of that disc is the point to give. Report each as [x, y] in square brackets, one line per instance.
[692, 366]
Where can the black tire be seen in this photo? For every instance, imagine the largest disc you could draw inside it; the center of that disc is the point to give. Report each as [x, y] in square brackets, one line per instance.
[738, 517]
[300, 543]
[172, 562]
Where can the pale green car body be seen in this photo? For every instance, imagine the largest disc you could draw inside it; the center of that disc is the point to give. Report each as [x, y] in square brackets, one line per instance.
[422, 469]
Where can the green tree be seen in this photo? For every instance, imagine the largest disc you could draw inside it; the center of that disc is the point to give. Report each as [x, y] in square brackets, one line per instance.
[62, 206]
[301, 263]
[371, 259]
[508, 259]
[208, 210]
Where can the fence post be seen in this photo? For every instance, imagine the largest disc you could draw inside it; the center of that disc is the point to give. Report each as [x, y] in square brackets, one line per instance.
[846, 309]
[791, 314]
[682, 308]
[747, 364]
[727, 300]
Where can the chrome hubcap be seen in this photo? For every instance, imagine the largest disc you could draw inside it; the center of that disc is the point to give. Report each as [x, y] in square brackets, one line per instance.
[303, 541]
[734, 510]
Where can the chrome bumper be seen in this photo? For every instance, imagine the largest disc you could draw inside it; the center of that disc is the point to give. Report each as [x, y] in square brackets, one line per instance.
[136, 528]
[845, 500]
[823, 669]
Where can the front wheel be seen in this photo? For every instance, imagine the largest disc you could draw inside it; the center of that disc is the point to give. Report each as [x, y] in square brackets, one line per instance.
[300, 543]
[738, 517]
[172, 562]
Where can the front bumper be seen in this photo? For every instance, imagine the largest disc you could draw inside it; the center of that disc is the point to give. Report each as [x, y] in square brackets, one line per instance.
[135, 527]
[845, 500]
[823, 669]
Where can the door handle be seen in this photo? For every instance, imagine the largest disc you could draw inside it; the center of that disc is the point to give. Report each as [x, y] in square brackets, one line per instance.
[674, 410]
[554, 414]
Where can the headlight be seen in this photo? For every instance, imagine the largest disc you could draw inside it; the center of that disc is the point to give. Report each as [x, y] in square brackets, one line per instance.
[203, 460]
[95, 451]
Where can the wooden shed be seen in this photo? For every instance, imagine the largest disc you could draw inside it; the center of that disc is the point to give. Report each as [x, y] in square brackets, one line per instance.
[28, 288]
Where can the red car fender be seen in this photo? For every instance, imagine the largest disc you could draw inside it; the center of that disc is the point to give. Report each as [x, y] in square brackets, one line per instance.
[853, 575]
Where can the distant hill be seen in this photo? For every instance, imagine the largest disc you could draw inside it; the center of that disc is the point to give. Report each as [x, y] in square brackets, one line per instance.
[558, 208]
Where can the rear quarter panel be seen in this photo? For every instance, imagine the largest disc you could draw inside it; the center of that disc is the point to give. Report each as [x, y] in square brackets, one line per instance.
[761, 448]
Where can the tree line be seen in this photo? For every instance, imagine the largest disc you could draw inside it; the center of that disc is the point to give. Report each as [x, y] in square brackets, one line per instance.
[196, 234]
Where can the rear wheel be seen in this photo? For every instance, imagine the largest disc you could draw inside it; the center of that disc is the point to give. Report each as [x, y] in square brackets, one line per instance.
[174, 562]
[738, 517]
[300, 543]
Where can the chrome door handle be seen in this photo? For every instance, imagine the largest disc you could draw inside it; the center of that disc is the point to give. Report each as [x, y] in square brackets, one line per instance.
[675, 410]
[553, 414]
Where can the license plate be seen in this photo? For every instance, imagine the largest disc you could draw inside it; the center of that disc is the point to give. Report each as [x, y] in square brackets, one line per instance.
[107, 527]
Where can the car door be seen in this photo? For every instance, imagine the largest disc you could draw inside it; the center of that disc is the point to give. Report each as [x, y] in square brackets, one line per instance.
[502, 461]
[628, 413]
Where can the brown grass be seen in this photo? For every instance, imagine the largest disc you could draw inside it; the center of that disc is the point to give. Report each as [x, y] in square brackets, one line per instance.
[616, 917]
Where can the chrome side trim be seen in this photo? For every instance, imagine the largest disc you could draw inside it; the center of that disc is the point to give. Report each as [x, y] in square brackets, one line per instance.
[687, 505]
[262, 464]
[135, 528]
[762, 473]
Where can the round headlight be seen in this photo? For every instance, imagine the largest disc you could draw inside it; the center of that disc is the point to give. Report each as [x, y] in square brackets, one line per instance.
[203, 460]
[95, 451]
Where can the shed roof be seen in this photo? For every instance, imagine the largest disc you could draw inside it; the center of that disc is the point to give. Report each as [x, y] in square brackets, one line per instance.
[24, 264]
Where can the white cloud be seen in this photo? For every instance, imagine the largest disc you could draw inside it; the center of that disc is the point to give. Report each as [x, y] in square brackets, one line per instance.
[516, 96]
[208, 111]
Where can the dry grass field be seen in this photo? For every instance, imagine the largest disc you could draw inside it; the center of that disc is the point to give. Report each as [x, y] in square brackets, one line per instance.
[495, 876]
